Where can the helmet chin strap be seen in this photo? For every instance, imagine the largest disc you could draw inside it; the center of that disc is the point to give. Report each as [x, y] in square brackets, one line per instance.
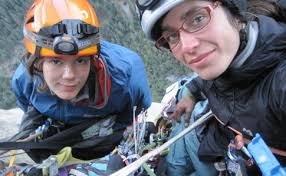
[35, 56]
[243, 38]
[38, 51]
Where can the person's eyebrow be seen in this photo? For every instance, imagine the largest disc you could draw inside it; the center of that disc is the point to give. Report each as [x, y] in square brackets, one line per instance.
[182, 18]
[191, 10]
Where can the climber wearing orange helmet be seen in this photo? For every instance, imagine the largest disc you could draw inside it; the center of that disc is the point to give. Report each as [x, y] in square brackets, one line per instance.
[86, 86]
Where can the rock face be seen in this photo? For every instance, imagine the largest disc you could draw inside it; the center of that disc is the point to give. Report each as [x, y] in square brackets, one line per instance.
[9, 124]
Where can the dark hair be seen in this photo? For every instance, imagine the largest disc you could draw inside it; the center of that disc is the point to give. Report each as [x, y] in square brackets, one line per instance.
[270, 8]
[34, 67]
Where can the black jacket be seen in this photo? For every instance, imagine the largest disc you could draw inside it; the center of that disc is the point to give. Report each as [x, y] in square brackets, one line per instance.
[251, 98]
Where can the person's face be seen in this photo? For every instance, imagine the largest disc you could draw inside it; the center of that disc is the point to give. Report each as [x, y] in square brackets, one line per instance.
[208, 51]
[66, 76]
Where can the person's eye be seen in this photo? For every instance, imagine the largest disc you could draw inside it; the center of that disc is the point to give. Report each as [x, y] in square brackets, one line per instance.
[55, 61]
[199, 19]
[196, 20]
[82, 61]
[172, 38]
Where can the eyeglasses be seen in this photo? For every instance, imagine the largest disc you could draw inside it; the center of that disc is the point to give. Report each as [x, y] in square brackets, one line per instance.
[194, 21]
[143, 5]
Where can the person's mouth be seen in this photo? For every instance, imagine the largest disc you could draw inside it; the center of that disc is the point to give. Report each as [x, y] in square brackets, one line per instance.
[69, 88]
[200, 57]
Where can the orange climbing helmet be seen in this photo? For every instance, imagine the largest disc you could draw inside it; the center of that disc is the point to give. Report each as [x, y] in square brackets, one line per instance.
[54, 28]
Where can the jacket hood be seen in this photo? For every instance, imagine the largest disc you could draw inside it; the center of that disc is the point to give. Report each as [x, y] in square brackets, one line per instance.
[270, 50]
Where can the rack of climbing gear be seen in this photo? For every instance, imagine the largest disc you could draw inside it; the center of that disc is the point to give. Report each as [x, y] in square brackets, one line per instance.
[139, 139]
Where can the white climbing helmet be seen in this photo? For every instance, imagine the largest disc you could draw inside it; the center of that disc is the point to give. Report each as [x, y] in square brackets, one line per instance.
[151, 11]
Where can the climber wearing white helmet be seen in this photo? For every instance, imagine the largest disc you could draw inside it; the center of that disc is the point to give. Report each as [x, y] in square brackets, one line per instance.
[237, 48]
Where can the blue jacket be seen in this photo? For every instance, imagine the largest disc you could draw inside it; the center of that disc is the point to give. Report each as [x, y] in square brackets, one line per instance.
[129, 87]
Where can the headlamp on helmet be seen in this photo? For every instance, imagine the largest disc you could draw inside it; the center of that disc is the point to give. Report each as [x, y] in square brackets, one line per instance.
[65, 45]
[54, 28]
[65, 38]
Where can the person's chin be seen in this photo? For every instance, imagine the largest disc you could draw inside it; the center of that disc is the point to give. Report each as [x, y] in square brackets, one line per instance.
[207, 76]
[67, 97]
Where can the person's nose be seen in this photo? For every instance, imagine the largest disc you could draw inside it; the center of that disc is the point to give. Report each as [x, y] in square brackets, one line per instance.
[188, 41]
[68, 72]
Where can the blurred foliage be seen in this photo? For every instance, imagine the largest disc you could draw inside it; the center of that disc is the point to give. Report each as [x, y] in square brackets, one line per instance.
[6, 96]
[119, 24]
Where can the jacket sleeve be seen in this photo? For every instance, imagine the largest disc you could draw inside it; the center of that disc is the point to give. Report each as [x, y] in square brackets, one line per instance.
[277, 96]
[195, 87]
[20, 86]
[139, 91]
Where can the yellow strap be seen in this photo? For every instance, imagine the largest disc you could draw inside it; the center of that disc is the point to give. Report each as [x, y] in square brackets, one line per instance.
[65, 157]
[13, 158]
[115, 150]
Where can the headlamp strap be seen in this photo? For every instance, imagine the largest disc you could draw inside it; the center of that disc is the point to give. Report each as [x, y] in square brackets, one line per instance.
[47, 42]
[89, 41]
[70, 27]
[39, 40]
[86, 29]
[57, 29]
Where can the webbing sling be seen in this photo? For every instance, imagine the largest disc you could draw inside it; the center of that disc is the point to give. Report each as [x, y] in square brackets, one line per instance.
[54, 142]
[29, 145]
